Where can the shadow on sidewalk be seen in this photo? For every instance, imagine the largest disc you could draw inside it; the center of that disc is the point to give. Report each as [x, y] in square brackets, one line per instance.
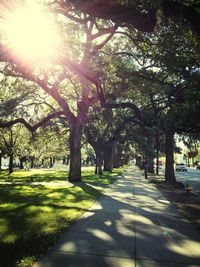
[126, 229]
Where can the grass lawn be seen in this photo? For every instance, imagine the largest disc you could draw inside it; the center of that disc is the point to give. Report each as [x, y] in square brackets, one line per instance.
[45, 175]
[32, 217]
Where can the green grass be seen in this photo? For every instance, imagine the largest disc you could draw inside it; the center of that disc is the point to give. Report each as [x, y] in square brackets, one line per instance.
[32, 217]
[39, 175]
[35, 175]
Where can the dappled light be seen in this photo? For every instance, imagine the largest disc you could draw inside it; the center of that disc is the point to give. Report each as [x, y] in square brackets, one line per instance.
[186, 247]
[100, 234]
[39, 206]
[37, 214]
[57, 177]
[95, 97]
[130, 221]
[121, 229]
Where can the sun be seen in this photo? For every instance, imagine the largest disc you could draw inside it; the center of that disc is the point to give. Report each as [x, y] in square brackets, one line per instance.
[30, 32]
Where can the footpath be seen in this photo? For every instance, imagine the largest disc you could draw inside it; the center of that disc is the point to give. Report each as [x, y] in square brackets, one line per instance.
[131, 225]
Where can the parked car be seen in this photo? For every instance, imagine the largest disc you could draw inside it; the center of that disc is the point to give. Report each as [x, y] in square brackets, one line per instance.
[181, 167]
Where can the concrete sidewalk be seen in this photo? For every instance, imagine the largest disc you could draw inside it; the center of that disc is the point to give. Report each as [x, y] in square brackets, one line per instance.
[131, 225]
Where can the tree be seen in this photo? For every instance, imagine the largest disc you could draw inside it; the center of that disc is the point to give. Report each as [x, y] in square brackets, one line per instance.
[81, 91]
[147, 75]
[49, 143]
[166, 84]
[13, 140]
[102, 131]
[191, 141]
[145, 16]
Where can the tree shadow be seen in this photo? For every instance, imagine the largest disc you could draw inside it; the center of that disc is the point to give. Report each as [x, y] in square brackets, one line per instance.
[144, 228]
[129, 223]
[26, 218]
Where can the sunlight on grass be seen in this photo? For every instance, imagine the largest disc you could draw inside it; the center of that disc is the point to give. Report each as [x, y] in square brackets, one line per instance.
[9, 206]
[46, 212]
[33, 216]
[40, 175]
[106, 178]
[35, 175]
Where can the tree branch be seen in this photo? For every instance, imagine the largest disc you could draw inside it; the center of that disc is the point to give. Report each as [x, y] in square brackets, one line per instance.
[82, 71]
[30, 127]
[101, 45]
[102, 31]
[126, 105]
[142, 21]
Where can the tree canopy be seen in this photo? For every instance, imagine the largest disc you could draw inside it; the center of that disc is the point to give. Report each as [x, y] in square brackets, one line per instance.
[136, 60]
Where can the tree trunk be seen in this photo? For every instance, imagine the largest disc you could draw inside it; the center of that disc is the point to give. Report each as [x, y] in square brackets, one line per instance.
[67, 160]
[32, 162]
[117, 157]
[64, 160]
[10, 167]
[192, 161]
[50, 162]
[99, 161]
[126, 159]
[138, 161]
[157, 154]
[109, 156]
[0, 161]
[21, 166]
[169, 152]
[151, 166]
[42, 163]
[75, 152]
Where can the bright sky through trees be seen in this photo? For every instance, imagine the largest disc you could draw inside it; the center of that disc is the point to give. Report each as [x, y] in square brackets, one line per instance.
[29, 31]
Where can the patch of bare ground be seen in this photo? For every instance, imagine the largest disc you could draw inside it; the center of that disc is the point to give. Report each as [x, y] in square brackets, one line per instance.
[187, 203]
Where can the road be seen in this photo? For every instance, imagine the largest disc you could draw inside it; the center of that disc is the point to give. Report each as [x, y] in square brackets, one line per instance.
[192, 177]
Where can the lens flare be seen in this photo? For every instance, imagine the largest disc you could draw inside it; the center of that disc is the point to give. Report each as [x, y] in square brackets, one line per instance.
[29, 31]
